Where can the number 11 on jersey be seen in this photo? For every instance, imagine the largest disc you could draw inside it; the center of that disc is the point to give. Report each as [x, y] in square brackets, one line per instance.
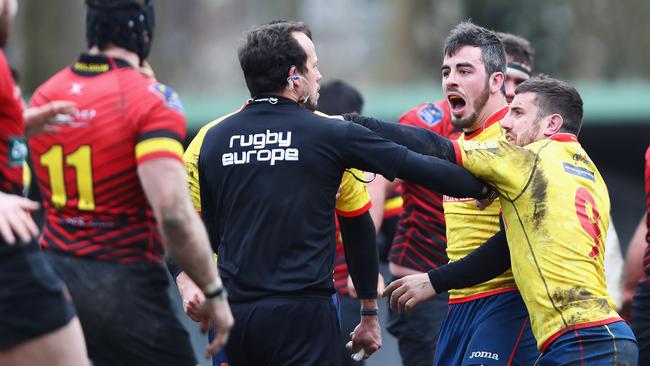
[81, 161]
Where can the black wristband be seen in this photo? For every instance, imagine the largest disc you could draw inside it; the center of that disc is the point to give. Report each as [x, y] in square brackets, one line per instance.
[369, 312]
[214, 294]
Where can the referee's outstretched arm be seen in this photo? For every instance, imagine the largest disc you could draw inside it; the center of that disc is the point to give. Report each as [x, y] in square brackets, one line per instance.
[417, 139]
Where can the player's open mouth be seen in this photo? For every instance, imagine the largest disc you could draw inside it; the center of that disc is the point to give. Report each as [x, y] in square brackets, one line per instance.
[510, 137]
[456, 103]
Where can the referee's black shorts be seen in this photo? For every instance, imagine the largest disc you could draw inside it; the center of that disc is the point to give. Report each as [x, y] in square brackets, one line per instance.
[292, 330]
[33, 300]
[125, 312]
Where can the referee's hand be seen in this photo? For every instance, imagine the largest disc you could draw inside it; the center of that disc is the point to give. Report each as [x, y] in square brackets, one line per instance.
[409, 291]
[366, 336]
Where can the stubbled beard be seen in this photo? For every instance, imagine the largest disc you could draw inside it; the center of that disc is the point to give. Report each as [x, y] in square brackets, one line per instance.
[478, 103]
[529, 137]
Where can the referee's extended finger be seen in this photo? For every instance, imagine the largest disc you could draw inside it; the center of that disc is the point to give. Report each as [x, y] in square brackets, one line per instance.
[391, 287]
[394, 297]
[410, 304]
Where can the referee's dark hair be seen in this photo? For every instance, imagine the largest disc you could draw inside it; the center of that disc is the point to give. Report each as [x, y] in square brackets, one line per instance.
[493, 53]
[268, 53]
[338, 97]
[555, 96]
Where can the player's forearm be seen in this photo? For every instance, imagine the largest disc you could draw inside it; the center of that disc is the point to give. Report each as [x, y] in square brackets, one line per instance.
[163, 181]
[441, 176]
[361, 256]
[188, 245]
[414, 138]
[488, 261]
[634, 258]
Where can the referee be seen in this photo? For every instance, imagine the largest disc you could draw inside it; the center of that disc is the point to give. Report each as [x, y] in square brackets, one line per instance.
[268, 178]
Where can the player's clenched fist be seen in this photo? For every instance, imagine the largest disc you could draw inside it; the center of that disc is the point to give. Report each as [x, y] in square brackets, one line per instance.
[409, 291]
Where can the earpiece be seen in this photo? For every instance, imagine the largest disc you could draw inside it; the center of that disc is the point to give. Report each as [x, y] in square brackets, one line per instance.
[295, 76]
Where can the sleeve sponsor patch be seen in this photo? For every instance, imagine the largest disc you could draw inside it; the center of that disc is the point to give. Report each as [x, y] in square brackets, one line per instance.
[579, 171]
[430, 114]
[168, 95]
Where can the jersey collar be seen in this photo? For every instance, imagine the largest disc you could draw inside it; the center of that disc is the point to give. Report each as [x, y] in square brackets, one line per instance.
[90, 65]
[270, 99]
[494, 118]
[564, 137]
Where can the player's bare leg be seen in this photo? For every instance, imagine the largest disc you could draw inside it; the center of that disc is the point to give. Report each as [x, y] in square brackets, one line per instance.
[62, 347]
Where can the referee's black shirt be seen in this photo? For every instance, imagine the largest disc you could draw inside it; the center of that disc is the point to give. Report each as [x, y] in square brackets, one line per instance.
[269, 176]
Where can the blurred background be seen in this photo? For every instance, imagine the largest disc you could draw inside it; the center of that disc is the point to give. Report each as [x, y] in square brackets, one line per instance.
[391, 51]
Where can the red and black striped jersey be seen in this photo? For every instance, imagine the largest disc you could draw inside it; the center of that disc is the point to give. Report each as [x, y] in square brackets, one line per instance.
[646, 257]
[420, 241]
[87, 173]
[13, 148]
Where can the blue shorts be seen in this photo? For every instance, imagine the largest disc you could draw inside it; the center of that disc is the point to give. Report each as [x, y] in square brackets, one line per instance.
[610, 344]
[492, 330]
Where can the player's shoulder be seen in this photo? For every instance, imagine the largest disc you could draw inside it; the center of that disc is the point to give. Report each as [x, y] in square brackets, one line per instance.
[153, 91]
[55, 83]
[426, 114]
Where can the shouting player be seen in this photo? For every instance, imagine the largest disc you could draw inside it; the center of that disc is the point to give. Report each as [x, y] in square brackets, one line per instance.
[556, 213]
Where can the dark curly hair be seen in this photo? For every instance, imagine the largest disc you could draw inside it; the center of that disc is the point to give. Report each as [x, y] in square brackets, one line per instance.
[268, 53]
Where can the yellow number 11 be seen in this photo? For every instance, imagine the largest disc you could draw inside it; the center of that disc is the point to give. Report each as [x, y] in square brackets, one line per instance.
[80, 160]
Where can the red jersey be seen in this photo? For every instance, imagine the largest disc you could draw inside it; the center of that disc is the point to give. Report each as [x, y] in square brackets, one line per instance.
[646, 257]
[13, 148]
[420, 241]
[87, 173]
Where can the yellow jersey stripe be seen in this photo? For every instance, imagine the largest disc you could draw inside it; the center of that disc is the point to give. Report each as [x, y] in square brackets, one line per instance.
[156, 145]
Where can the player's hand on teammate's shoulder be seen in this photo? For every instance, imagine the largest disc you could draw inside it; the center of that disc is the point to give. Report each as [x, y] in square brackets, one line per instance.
[48, 117]
[409, 291]
[15, 220]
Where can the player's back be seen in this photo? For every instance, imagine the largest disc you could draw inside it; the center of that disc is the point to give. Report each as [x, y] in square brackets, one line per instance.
[269, 175]
[87, 173]
[556, 227]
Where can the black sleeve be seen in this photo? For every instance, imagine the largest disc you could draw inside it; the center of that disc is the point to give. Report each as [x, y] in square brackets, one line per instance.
[414, 138]
[361, 256]
[483, 264]
[441, 176]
